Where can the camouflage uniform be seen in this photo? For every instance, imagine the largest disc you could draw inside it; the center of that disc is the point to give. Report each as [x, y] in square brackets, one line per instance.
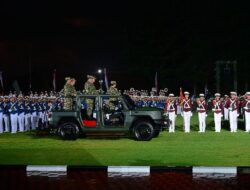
[69, 92]
[112, 91]
[89, 88]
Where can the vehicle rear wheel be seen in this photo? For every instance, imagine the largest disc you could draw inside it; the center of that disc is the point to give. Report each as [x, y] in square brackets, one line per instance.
[68, 131]
[144, 131]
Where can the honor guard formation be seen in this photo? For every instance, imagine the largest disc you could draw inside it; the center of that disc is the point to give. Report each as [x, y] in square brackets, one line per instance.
[20, 113]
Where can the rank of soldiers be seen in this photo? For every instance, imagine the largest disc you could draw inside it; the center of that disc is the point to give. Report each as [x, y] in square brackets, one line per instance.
[22, 113]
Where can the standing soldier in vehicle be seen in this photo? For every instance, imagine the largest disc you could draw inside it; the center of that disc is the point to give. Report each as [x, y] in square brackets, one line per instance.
[202, 108]
[90, 89]
[246, 107]
[233, 106]
[217, 109]
[187, 112]
[226, 113]
[171, 109]
[69, 93]
[113, 91]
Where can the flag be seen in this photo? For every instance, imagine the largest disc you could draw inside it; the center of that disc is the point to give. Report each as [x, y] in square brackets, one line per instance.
[106, 79]
[54, 80]
[156, 82]
[1, 80]
[181, 96]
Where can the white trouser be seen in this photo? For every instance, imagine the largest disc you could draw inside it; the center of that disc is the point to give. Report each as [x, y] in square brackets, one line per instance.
[186, 116]
[13, 121]
[202, 121]
[233, 120]
[21, 122]
[1, 122]
[27, 121]
[217, 122]
[41, 116]
[172, 117]
[6, 123]
[247, 121]
[226, 114]
[34, 120]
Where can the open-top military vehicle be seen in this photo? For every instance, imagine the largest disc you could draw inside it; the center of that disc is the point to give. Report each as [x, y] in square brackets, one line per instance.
[123, 119]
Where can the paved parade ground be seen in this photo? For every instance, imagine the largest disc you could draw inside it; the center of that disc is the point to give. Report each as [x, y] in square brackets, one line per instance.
[169, 149]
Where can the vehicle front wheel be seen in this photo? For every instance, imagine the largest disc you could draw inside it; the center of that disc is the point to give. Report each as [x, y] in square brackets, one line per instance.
[68, 131]
[144, 131]
[156, 133]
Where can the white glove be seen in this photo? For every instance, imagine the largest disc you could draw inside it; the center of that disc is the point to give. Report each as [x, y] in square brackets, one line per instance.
[191, 114]
[213, 110]
[230, 109]
[182, 114]
[198, 109]
[245, 108]
[238, 115]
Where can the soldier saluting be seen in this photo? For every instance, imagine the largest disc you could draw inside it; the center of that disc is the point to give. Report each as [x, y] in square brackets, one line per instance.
[69, 93]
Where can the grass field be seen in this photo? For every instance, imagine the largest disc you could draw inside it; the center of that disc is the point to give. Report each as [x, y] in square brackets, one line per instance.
[178, 149]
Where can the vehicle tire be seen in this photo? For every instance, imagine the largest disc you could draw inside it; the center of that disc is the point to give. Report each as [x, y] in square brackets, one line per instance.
[68, 131]
[144, 131]
[156, 133]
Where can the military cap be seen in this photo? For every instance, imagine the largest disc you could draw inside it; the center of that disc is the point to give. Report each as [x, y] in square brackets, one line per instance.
[67, 78]
[171, 95]
[73, 79]
[91, 77]
[113, 82]
[201, 95]
[217, 94]
[247, 93]
[186, 93]
[233, 93]
[225, 95]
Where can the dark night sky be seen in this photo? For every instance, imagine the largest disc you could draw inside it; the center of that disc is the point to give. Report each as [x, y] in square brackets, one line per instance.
[181, 41]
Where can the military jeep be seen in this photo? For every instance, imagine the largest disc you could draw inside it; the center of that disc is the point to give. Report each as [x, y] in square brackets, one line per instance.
[122, 118]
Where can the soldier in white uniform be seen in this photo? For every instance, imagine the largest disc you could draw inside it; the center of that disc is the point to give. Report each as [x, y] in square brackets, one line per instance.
[186, 112]
[171, 109]
[226, 112]
[202, 108]
[217, 109]
[246, 107]
[233, 107]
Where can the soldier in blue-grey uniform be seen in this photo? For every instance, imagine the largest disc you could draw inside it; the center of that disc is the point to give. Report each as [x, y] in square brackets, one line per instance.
[1, 114]
[21, 112]
[27, 113]
[6, 114]
[34, 114]
[13, 110]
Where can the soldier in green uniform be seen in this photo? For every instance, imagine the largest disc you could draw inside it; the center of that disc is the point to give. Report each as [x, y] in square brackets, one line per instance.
[113, 91]
[89, 88]
[69, 93]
